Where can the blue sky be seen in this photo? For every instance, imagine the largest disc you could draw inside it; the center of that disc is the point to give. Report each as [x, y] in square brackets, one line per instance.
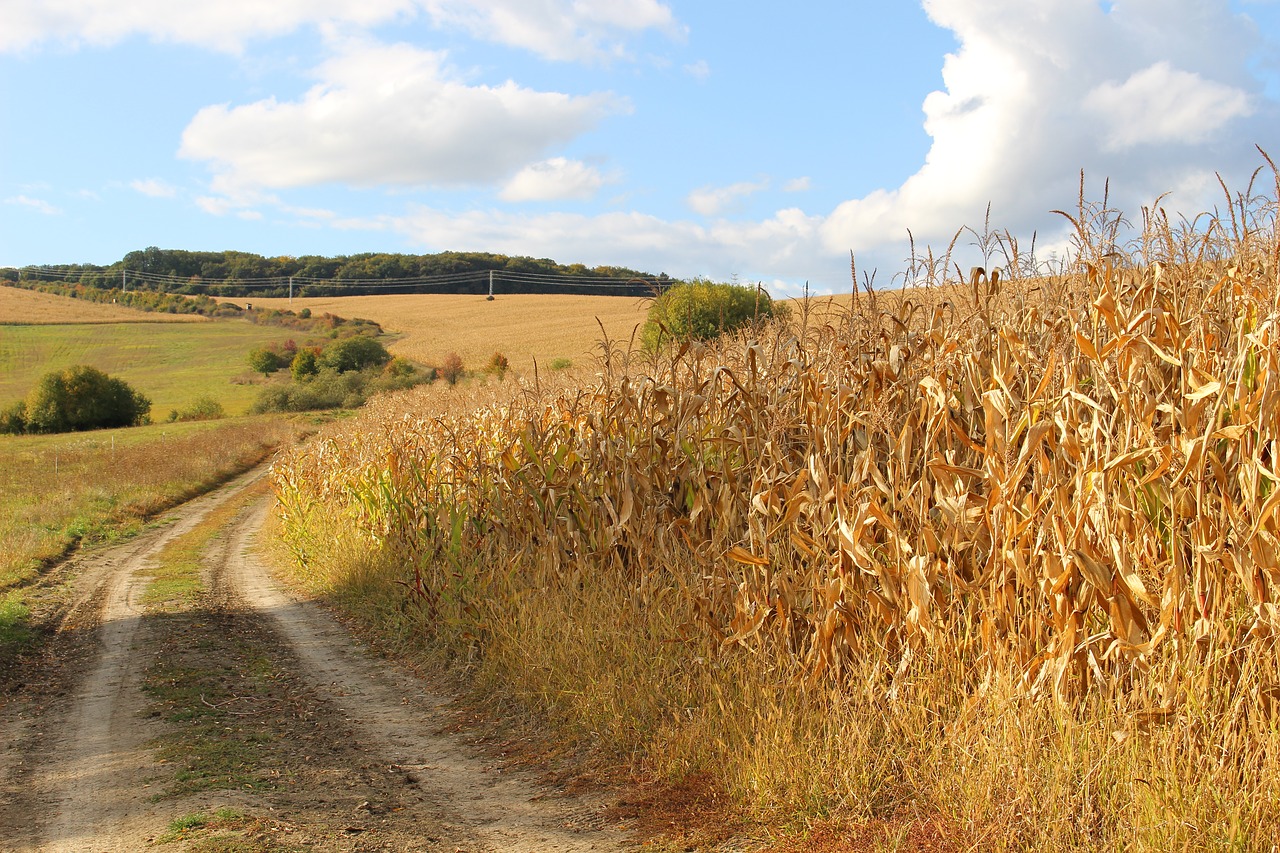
[762, 141]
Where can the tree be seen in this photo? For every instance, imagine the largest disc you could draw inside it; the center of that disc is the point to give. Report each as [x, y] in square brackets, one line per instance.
[304, 365]
[265, 361]
[702, 310]
[80, 398]
[354, 353]
[451, 370]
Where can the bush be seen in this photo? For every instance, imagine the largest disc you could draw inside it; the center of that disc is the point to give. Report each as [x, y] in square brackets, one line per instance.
[80, 398]
[13, 420]
[354, 353]
[702, 310]
[265, 360]
[498, 365]
[304, 365]
[203, 409]
[451, 370]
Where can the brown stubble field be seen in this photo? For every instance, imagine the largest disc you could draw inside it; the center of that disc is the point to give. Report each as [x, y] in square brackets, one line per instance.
[523, 327]
[28, 307]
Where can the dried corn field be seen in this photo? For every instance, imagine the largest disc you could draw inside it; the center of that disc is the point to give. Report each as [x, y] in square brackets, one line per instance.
[1005, 561]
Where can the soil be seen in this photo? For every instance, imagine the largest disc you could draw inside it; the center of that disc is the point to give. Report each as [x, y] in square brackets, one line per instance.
[248, 720]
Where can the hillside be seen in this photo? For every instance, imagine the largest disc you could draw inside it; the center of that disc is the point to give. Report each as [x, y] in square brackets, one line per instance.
[29, 307]
[523, 327]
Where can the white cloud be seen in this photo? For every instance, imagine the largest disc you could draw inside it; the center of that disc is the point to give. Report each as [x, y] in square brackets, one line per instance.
[699, 70]
[154, 187]
[220, 24]
[1161, 105]
[550, 180]
[787, 242]
[710, 201]
[36, 204]
[592, 30]
[797, 185]
[388, 115]
[1148, 93]
[556, 29]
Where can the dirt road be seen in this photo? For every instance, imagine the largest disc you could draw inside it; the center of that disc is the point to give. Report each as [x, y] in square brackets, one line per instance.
[227, 715]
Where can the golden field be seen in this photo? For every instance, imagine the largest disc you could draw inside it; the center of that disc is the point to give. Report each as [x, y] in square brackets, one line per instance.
[28, 307]
[523, 327]
[1002, 574]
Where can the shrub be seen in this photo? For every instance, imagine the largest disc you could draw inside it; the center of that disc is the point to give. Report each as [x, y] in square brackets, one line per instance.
[203, 409]
[80, 398]
[702, 310]
[304, 365]
[265, 361]
[451, 370]
[354, 353]
[400, 367]
[498, 365]
[13, 420]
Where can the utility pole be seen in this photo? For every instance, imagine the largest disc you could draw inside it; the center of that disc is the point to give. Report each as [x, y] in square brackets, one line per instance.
[124, 280]
[290, 291]
[490, 297]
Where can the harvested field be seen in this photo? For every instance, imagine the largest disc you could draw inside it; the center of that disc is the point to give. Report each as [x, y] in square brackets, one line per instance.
[29, 307]
[523, 327]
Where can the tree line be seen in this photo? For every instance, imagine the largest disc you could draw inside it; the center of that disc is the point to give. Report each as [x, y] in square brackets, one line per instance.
[189, 271]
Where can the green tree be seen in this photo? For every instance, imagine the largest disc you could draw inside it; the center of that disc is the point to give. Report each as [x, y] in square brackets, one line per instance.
[702, 310]
[354, 353]
[265, 361]
[80, 398]
[304, 365]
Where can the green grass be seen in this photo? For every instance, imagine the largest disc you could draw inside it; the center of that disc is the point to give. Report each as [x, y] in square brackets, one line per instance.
[172, 364]
[16, 633]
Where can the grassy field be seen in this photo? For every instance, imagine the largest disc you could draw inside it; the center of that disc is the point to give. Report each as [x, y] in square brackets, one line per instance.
[523, 327]
[27, 307]
[172, 364]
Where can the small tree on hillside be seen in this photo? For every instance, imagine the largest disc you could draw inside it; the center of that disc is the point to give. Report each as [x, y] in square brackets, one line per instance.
[451, 369]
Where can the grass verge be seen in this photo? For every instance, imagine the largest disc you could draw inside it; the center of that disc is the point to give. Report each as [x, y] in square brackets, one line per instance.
[59, 491]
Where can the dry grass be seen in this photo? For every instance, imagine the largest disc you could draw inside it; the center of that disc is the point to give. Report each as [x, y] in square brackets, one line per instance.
[523, 327]
[58, 490]
[1006, 566]
[28, 307]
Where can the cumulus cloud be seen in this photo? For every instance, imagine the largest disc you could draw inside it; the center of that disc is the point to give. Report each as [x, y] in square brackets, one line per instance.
[710, 201]
[552, 180]
[797, 185]
[1161, 105]
[388, 115]
[1154, 94]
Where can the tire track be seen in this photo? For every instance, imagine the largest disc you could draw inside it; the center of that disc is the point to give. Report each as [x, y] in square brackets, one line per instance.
[395, 712]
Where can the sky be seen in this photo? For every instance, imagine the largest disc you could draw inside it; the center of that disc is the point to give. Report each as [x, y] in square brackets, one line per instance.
[747, 140]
